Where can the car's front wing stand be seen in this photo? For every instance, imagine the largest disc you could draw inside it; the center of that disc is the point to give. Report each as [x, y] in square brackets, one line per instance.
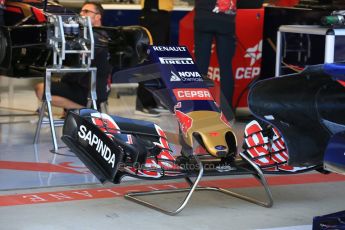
[48, 98]
[133, 196]
[60, 48]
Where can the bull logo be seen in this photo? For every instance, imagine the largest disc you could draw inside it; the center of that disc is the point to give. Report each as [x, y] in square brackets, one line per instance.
[184, 120]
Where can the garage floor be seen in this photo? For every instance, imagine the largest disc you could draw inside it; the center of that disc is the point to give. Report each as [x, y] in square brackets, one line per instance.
[43, 190]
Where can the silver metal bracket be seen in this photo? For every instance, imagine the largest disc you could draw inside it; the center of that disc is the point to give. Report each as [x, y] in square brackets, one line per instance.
[84, 37]
[133, 196]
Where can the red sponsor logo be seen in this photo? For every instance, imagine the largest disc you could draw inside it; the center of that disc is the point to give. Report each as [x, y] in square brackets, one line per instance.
[192, 94]
[213, 134]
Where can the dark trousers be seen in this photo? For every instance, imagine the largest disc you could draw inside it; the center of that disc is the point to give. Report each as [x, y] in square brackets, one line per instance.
[2, 22]
[158, 23]
[205, 30]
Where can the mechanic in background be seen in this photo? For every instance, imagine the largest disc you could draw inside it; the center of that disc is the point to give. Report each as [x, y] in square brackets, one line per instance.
[155, 16]
[215, 19]
[72, 91]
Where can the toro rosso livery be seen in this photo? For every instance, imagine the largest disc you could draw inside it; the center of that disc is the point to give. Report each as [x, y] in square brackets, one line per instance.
[145, 150]
[300, 124]
[113, 147]
[308, 109]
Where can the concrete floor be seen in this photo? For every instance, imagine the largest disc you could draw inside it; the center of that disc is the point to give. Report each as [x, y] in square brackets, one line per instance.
[42, 190]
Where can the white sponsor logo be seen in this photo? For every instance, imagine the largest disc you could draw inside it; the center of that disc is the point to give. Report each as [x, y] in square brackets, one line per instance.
[254, 53]
[176, 61]
[185, 76]
[174, 77]
[169, 48]
[189, 74]
[101, 148]
[213, 73]
[196, 94]
[247, 72]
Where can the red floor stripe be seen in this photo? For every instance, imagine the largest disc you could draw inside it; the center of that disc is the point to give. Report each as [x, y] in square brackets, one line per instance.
[63, 167]
[119, 191]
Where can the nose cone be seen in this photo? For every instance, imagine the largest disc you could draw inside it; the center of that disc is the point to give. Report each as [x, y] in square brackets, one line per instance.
[217, 137]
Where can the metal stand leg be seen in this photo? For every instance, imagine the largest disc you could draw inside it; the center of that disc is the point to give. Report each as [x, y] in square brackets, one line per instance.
[51, 122]
[133, 196]
[93, 88]
[52, 127]
[46, 103]
[39, 122]
[48, 98]
[261, 178]
[278, 54]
